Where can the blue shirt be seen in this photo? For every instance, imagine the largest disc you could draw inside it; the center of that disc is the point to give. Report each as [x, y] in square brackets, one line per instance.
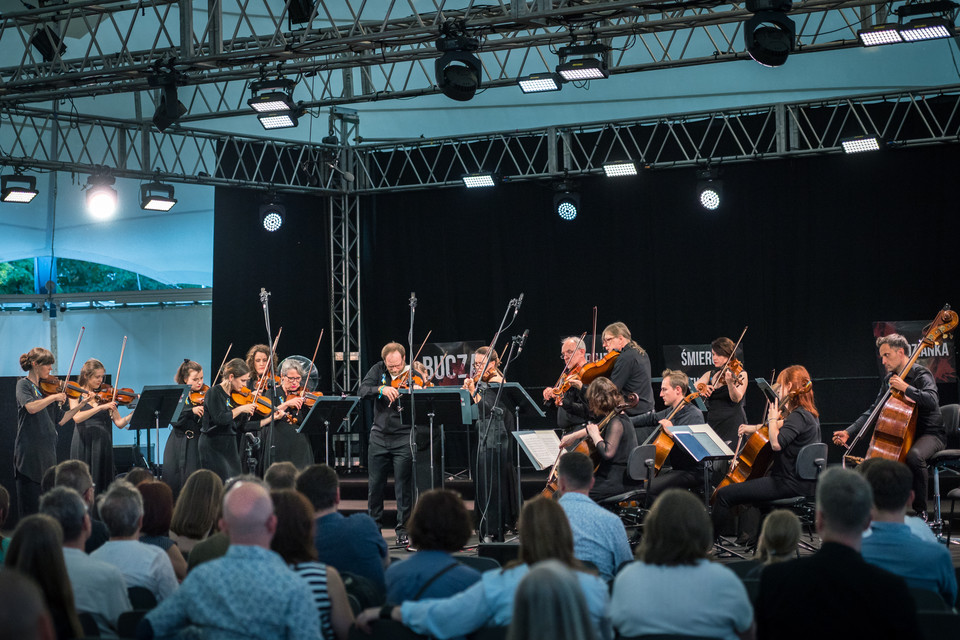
[892, 546]
[407, 577]
[598, 535]
[489, 603]
[248, 593]
[354, 545]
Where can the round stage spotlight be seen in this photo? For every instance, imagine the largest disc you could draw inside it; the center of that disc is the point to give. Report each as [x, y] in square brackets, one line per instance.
[567, 205]
[101, 196]
[709, 198]
[709, 189]
[770, 37]
[271, 216]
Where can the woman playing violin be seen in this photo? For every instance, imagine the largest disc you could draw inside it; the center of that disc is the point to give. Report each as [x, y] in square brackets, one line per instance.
[93, 437]
[799, 425]
[724, 393]
[286, 444]
[258, 359]
[631, 371]
[613, 445]
[181, 456]
[38, 414]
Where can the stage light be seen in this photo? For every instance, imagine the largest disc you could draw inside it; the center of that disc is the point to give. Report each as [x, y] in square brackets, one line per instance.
[101, 196]
[566, 203]
[47, 41]
[860, 144]
[272, 213]
[619, 168]
[272, 95]
[18, 188]
[280, 120]
[879, 34]
[926, 29]
[583, 67]
[156, 196]
[709, 189]
[540, 83]
[473, 180]
[458, 72]
[770, 36]
[931, 27]
[169, 110]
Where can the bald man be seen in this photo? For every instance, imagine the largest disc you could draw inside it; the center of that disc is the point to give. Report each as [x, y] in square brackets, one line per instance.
[249, 592]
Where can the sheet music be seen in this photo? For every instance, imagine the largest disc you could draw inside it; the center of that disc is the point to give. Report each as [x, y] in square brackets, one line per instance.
[540, 446]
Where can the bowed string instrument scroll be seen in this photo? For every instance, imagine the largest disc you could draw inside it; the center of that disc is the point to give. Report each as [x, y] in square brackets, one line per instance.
[597, 367]
[567, 375]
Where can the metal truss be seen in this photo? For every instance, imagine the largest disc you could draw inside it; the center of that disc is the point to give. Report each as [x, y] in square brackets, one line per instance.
[108, 300]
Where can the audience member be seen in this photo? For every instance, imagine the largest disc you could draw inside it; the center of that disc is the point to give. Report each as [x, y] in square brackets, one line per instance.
[892, 546]
[4, 512]
[674, 588]
[197, 509]
[139, 475]
[351, 544]
[281, 475]
[37, 551]
[293, 540]
[779, 539]
[157, 513]
[98, 588]
[439, 527]
[142, 565]
[918, 526]
[249, 593]
[76, 475]
[48, 481]
[549, 605]
[23, 615]
[598, 535]
[834, 589]
[544, 535]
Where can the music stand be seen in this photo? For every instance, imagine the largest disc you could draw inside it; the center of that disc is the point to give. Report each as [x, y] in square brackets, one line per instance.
[159, 404]
[329, 409]
[513, 394]
[449, 405]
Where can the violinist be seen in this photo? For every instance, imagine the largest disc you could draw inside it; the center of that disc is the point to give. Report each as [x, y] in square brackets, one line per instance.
[799, 425]
[389, 444]
[724, 393]
[223, 419]
[38, 414]
[920, 386]
[95, 418]
[684, 473]
[613, 445]
[285, 444]
[631, 370]
[495, 476]
[258, 359]
[181, 455]
[571, 404]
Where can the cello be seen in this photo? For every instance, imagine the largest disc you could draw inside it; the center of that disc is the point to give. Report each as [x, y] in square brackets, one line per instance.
[662, 440]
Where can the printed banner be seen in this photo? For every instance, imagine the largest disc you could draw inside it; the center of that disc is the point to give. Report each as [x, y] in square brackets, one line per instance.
[939, 359]
[693, 359]
[448, 363]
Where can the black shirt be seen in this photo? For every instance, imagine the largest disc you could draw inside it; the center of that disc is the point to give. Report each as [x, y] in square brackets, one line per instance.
[799, 428]
[689, 414]
[631, 374]
[218, 413]
[388, 422]
[35, 449]
[923, 391]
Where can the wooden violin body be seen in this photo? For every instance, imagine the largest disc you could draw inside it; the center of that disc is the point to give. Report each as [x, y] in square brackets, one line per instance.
[753, 462]
[196, 397]
[602, 367]
[246, 396]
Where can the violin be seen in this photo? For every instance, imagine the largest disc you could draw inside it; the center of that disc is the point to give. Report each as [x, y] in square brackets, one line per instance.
[602, 367]
[123, 396]
[196, 397]
[50, 386]
[401, 381]
[564, 383]
[246, 396]
[488, 375]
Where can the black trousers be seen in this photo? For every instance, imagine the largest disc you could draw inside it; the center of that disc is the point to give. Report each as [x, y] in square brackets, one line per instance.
[752, 492]
[922, 450]
[28, 496]
[381, 457]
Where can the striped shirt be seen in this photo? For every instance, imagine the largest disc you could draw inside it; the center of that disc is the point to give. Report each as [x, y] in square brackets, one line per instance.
[315, 574]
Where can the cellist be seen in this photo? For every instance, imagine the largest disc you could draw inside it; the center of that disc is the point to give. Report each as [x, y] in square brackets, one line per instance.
[918, 385]
[572, 405]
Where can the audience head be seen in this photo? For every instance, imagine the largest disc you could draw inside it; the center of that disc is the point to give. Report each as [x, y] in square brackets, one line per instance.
[575, 473]
[677, 531]
[293, 539]
[281, 475]
[139, 475]
[545, 533]
[891, 483]
[65, 505]
[121, 509]
[319, 482]
[779, 536]
[36, 550]
[76, 475]
[844, 500]
[48, 480]
[157, 508]
[439, 522]
[198, 505]
[549, 605]
[248, 517]
[24, 614]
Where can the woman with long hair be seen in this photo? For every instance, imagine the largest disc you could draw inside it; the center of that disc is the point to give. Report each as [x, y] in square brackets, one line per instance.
[631, 371]
[181, 455]
[724, 394]
[224, 420]
[197, 509]
[155, 530]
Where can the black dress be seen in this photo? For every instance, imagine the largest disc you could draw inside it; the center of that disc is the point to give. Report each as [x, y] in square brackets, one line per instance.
[181, 455]
[93, 443]
[611, 475]
[35, 449]
[723, 414]
[285, 444]
[495, 476]
[218, 436]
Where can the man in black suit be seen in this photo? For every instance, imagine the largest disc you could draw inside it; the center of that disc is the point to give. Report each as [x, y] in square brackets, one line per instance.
[835, 593]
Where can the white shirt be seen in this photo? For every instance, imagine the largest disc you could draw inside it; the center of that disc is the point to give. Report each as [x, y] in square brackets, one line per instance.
[98, 589]
[142, 565]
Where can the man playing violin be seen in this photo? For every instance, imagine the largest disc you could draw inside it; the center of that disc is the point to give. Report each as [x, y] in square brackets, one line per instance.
[631, 371]
[571, 405]
[919, 386]
[389, 443]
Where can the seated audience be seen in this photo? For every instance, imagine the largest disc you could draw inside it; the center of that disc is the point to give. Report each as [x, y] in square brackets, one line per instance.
[24, 615]
[281, 475]
[835, 590]
[598, 535]
[48, 481]
[98, 588]
[675, 588]
[248, 593]
[351, 544]
[142, 565]
[139, 475]
[544, 534]
[918, 526]
[892, 546]
[197, 509]
[779, 539]
[37, 551]
[76, 475]
[4, 512]
[549, 605]
[293, 540]
[439, 527]
[157, 513]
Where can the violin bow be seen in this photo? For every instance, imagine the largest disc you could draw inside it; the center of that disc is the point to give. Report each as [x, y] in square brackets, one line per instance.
[63, 389]
[262, 382]
[116, 380]
[566, 367]
[222, 364]
[303, 391]
[593, 341]
[419, 351]
[733, 356]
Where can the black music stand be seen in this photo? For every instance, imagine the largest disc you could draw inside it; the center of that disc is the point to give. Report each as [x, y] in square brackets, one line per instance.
[329, 410]
[514, 395]
[448, 405]
[160, 404]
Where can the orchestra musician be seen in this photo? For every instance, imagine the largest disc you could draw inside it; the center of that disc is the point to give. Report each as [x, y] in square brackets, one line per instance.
[572, 405]
[631, 370]
[684, 473]
[93, 436]
[285, 444]
[495, 475]
[613, 445]
[724, 397]
[919, 386]
[389, 443]
[258, 359]
[181, 455]
[797, 426]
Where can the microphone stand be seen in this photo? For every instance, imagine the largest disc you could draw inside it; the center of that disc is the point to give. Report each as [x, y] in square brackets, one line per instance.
[415, 489]
[501, 437]
[265, 302]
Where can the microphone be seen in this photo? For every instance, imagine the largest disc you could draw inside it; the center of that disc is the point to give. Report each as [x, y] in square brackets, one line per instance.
[516, 305]
[523, 341]
[264, 294]
[413, 300]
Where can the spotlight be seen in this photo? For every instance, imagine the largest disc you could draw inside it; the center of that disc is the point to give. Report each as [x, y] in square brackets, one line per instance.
[540, 82]
[11, 192]
[769, 34]
[860, 144]
[280, 119]
[47, 42]
[169, 108]
[272, 213]
[566, 202]
[273, 95]
[709, 189]
[155, 196]
[583, 68]
[458, 71]
[926, 29]
[473, 180]
[619, 168]
[879, 34]
[101, 196]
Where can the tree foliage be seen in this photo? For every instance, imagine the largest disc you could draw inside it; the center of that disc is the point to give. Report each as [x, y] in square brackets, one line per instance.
[78, 276]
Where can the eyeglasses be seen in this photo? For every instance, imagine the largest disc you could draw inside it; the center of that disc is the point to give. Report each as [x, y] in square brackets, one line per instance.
[294, 378]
